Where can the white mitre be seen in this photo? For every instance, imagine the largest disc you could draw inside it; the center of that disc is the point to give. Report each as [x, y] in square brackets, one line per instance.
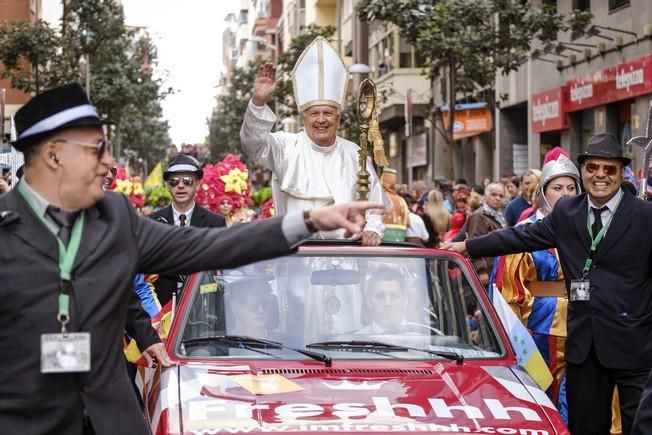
[320, 76]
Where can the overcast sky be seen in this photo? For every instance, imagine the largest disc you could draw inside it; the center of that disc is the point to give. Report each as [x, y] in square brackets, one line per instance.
[188, 35]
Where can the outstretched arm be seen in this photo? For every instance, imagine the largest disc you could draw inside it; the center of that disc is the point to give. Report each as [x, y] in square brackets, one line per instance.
[522, 238]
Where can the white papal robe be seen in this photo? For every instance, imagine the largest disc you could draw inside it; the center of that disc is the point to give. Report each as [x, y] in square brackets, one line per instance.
[304, 174]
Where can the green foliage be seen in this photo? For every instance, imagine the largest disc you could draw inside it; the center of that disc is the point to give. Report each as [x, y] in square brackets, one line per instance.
[476, 37]
[226, 119]
[122, 85]
[469, 40]
[284, 93]
[26, 48]
[260, 196]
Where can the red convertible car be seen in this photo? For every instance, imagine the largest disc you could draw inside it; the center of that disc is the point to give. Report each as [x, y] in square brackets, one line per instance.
[341, 338]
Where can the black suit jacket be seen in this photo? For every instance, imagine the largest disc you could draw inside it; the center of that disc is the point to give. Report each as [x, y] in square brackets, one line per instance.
[165, 285]
[116, 244]
[618, 318]
[201, 217]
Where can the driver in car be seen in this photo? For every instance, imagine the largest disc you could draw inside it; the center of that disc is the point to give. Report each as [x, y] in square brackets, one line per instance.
[387, 301]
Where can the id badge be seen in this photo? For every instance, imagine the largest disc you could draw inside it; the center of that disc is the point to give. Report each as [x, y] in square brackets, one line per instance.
[66, 353]
[580, 290]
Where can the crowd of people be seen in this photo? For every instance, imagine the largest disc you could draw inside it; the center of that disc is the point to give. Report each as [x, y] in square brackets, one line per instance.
[575, 268]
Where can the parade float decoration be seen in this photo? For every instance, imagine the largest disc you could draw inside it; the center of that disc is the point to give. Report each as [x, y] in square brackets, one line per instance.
[267, 211]
[131, 187]
[227, 180]
[157, 196]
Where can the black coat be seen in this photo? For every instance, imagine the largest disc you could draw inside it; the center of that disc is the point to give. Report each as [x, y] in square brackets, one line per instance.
[165, 285]
[116, 244]
[618, 318]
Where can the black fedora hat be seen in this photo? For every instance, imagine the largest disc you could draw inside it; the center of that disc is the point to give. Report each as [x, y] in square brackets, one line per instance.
[51, 111]
[183, 163]
[605, 146]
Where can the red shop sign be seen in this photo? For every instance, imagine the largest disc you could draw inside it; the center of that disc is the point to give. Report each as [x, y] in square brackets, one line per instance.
[548, 110]
[620, 82]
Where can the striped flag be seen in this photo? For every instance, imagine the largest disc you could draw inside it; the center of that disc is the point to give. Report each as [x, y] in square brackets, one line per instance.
[162, 323]
[527, 354]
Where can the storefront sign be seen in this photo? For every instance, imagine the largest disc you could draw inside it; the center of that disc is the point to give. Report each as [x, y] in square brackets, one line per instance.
[469, 122]
[417, 150]
[620, 82]
[548, 110]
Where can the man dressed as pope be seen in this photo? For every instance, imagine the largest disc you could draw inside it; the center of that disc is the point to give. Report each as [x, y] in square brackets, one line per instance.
[314, 167]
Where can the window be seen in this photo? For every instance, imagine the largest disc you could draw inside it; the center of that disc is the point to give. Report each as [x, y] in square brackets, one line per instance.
[617, 4]
[582, 5]
[427, 304]
[382, 55]
[405, 59]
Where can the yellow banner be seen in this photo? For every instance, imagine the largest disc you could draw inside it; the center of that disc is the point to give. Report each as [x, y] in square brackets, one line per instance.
[155, 178]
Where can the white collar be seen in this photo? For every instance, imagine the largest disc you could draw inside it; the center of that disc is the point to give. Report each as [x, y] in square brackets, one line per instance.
[176, 213]
[611, 204]
[318, 148]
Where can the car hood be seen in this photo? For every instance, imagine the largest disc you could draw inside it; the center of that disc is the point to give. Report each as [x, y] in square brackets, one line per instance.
[446, 398]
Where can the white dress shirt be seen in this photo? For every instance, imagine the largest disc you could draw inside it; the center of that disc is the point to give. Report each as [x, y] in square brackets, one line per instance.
[608, 212]
[176, 214]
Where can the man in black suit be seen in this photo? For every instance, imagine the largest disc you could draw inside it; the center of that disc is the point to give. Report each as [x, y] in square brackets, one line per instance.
[69, 254]
[182, 178]
[605, 246]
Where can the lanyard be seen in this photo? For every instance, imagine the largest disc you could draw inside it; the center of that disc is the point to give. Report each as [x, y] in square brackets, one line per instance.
[595, 240]
[66, 260]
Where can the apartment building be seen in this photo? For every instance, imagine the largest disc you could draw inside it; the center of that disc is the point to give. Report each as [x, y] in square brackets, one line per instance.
[590, 82]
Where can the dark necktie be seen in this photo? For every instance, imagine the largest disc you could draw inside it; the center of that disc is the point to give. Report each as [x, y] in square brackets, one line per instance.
[182, 220]
[64, 219]
[597, 223]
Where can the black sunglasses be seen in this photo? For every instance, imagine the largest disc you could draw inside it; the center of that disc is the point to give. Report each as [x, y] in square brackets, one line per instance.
[174, 181]
[102, 146]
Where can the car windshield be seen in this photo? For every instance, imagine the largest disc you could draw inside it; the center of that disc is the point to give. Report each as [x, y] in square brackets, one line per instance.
[346, 307]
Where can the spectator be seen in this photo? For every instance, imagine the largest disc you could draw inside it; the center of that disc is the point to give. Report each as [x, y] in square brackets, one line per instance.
[436, 216]
[511, 185]
[483, 221]
[520, 203]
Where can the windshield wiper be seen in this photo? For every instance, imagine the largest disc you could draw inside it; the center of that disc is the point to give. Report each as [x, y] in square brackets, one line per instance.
[245, 340]
[367, 345]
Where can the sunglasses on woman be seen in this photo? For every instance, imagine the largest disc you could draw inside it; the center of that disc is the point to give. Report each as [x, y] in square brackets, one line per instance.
[609, 170]
[174, 181]
[101, 146]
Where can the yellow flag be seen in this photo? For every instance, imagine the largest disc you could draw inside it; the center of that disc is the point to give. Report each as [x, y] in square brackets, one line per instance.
[155, 178]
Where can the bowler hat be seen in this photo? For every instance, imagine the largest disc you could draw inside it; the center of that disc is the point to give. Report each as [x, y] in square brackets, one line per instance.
[183, 163]
[51, 111]
[606, 146]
